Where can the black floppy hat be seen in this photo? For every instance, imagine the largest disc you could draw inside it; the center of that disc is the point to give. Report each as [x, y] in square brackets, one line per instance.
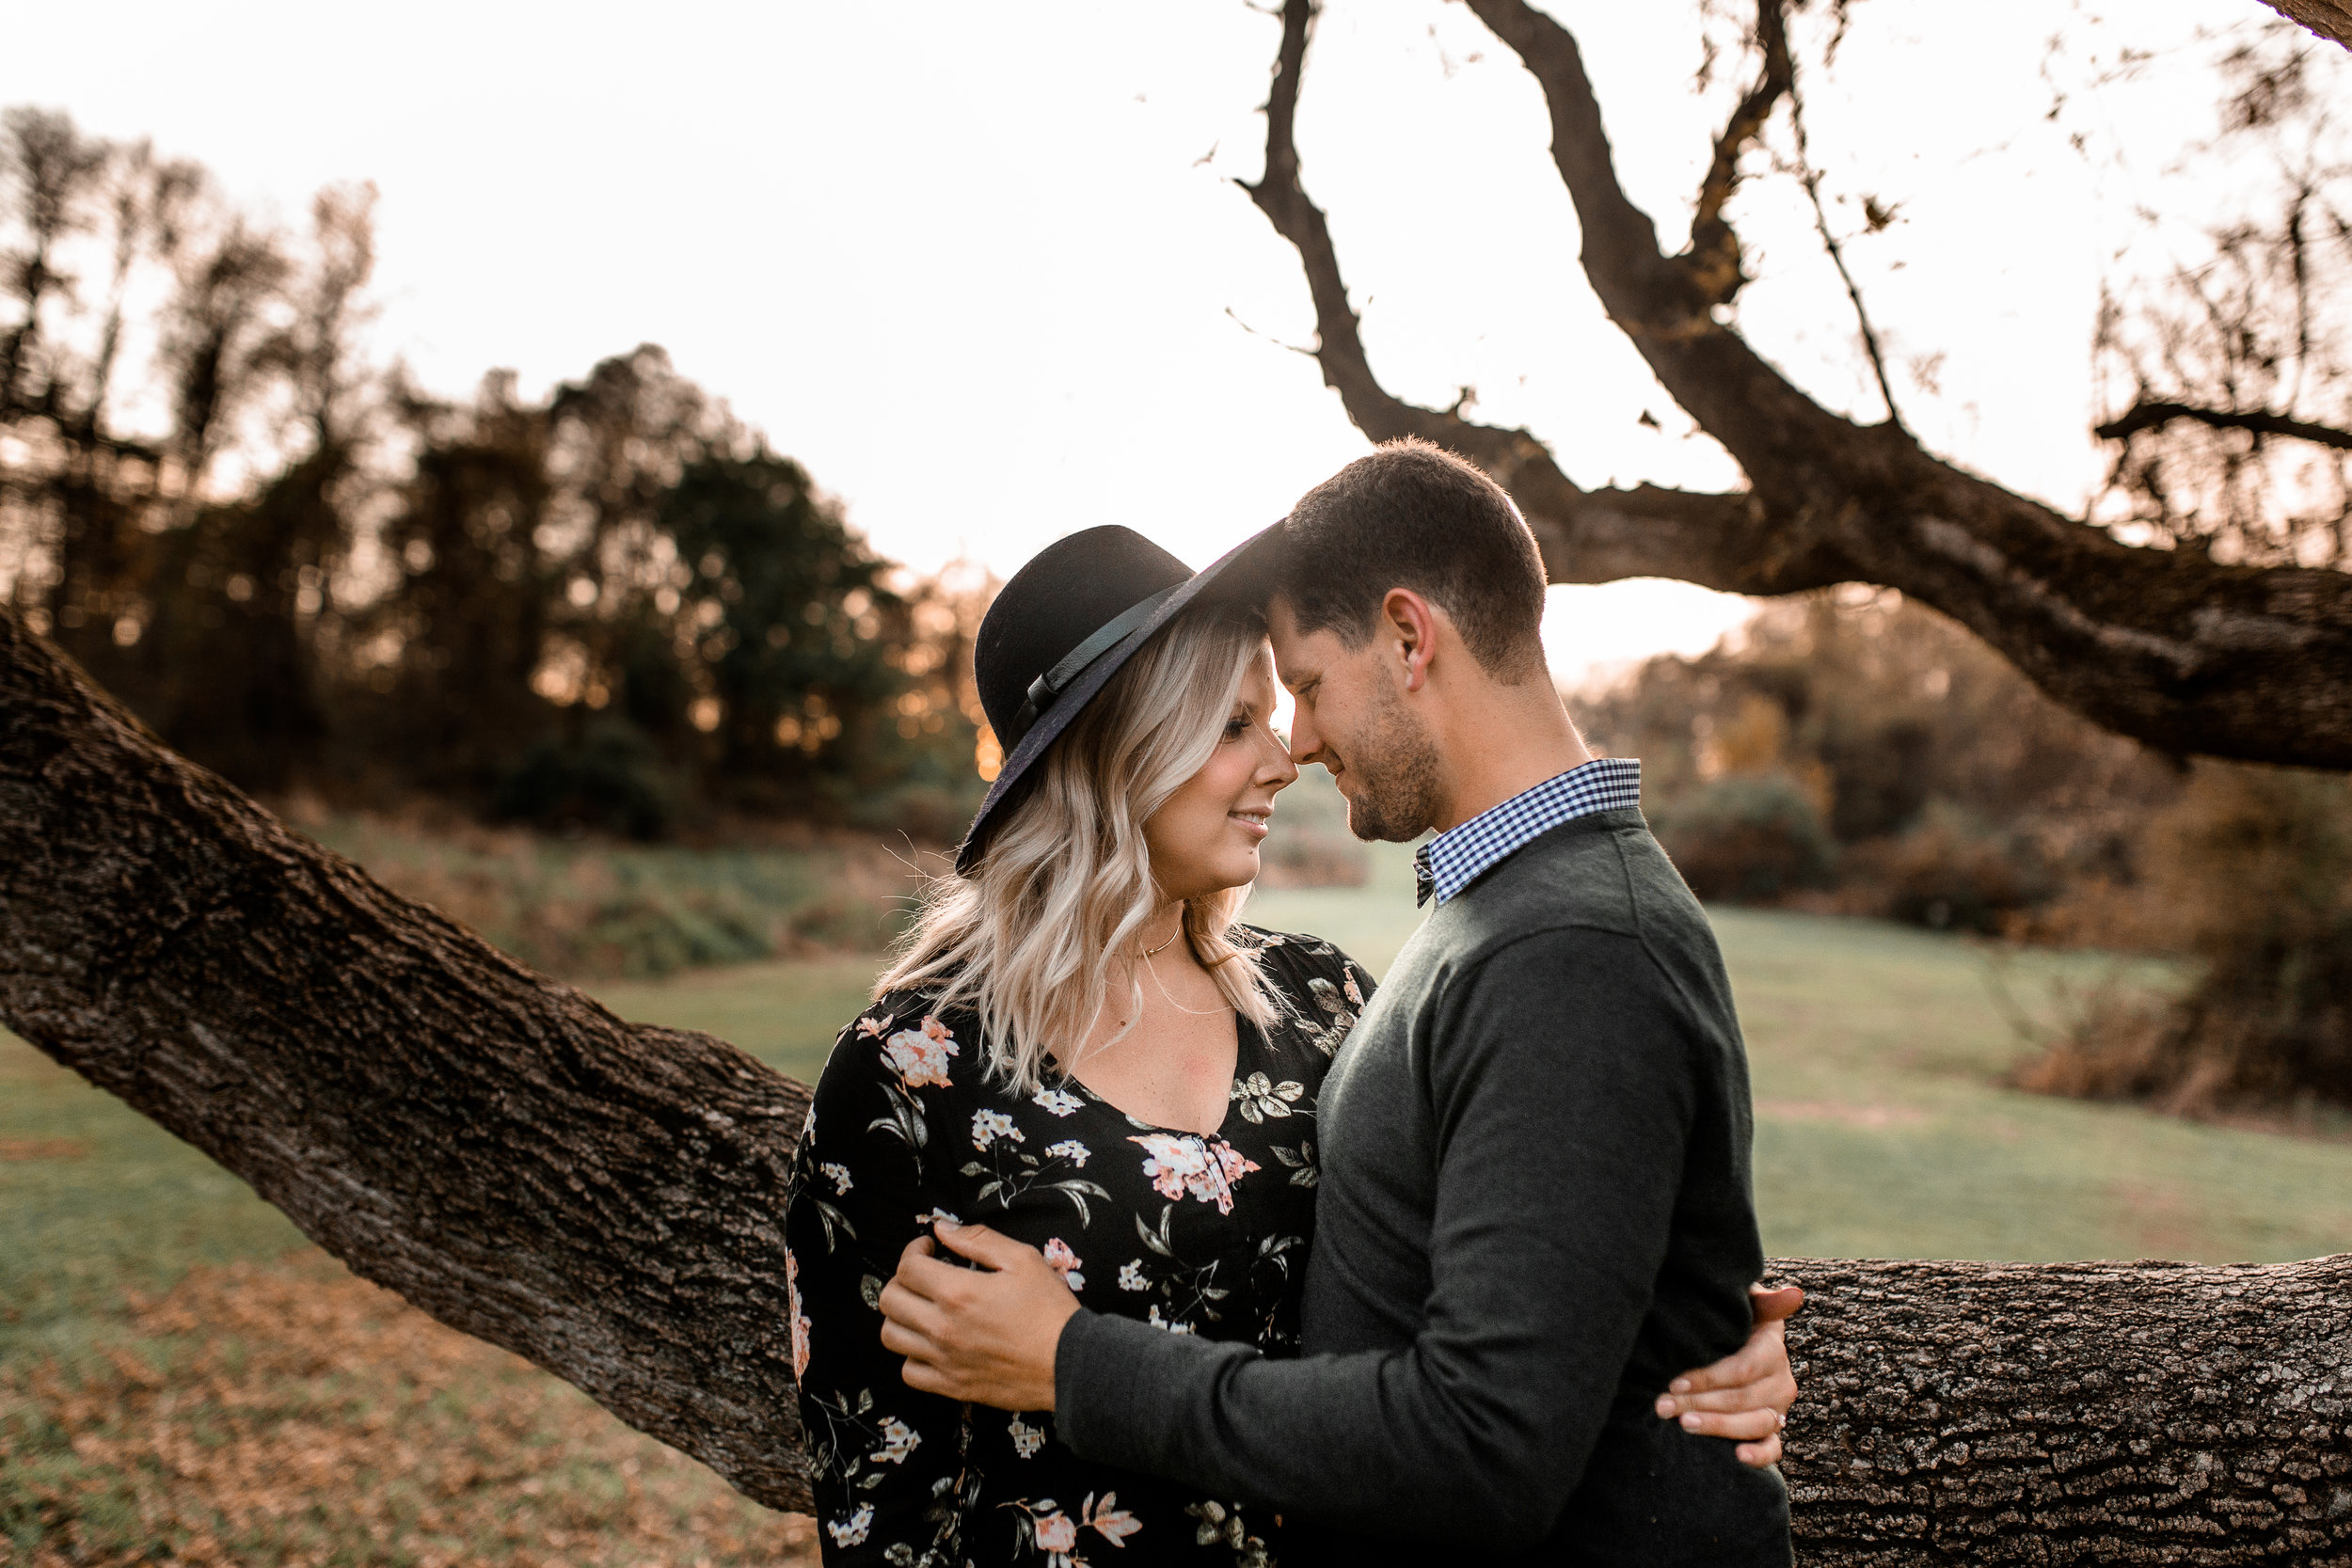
[1066, 624]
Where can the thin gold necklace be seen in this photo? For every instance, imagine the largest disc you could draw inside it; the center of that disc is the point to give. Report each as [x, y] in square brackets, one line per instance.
[1151, 953]
[1196, 1012]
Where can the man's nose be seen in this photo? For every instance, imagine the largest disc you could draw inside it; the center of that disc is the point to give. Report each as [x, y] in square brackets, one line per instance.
[1305, 743]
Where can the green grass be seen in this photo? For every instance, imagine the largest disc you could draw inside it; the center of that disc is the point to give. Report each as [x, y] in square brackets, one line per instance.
[1884, 1130]
[587, 908]
[1883, 1127]
[786, 1014]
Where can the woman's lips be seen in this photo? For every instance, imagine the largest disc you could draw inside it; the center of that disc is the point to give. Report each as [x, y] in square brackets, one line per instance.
[1252, 823]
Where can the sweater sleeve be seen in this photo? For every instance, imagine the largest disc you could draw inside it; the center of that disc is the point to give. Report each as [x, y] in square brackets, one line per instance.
[1561, 1111]
[887, 1462]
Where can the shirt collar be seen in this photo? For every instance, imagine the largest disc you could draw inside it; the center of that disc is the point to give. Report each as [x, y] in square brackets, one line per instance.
[1458, 857]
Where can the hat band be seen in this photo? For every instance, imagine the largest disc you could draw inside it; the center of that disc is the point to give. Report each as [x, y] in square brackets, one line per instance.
[1073, 664]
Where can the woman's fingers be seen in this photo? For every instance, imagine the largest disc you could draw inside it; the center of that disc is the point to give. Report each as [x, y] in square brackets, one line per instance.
[1757, 1455]
[1747, 1426]
[1765, 1353]
[1766, 1393]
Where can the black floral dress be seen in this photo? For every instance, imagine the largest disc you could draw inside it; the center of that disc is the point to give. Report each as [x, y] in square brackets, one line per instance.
[1192, 1234]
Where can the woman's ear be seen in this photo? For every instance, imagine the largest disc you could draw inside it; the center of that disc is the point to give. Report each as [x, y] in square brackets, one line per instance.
[1410, 623]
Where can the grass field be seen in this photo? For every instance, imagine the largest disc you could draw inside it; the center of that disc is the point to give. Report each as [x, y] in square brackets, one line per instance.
[178, 1373]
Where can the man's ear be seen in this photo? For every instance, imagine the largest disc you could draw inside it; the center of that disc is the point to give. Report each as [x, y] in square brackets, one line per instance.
[1411, 624]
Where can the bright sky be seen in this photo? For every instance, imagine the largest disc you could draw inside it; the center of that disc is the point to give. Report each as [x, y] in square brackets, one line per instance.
[983, 270]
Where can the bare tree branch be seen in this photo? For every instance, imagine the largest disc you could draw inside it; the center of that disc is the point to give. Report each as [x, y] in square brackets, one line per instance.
[1810, 177]
[2185, 654]
[2329, 18]
[1714, 258]
[1588, 535]
[2151, 414]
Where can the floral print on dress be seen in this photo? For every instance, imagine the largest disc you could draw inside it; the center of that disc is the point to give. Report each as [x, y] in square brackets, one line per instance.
[921, 1055]
[1189, 1233]
[1183, 1164]
[800, 1319]
[1065, 1262]
[989, 1125]
[1259, 1098]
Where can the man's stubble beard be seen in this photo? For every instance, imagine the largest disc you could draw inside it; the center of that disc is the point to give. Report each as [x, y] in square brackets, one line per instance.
[1400, 782]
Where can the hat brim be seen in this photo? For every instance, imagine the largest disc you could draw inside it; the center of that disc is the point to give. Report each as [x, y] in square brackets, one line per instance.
[1233, 569]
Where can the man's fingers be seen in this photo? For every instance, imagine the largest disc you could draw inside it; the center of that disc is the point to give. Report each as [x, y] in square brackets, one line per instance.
[1775, 1305]
[904, 1307]
[1759, 1454]
[925, 1378]
[983, 1245]
[898, 1339]
[1748, 1426]
[930, 1278]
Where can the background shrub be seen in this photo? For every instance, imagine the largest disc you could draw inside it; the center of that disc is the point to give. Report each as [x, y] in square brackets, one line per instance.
[1747, 838]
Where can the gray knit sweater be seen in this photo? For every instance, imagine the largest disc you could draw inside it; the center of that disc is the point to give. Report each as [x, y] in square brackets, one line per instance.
[1534, 1211]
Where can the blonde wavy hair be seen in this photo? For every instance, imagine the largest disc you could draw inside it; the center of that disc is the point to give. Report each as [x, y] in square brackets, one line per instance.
[1026, 940]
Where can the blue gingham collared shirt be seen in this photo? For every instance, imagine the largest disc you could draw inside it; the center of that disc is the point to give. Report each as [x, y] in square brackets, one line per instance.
[1458, 857]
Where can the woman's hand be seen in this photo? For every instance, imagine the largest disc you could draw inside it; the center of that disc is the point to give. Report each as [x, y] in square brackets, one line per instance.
[1747, 1394]
[987, 1336]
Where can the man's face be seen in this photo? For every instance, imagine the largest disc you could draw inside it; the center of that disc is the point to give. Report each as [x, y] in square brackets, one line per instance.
[1353, 718]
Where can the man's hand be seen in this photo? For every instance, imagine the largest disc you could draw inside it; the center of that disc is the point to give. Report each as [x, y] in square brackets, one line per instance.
[984, 1334]
[1747, 1394]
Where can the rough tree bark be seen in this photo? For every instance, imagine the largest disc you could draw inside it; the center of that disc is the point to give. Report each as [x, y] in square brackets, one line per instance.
[602, 1198]
[2182, 652]
[2329, 18]
[1974, 1413]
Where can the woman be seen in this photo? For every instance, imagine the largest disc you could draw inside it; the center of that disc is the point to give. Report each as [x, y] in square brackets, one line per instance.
[1079, 1046]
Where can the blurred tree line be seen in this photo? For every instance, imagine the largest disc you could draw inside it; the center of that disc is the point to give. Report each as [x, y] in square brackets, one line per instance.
[614, 606]
[1854, 753]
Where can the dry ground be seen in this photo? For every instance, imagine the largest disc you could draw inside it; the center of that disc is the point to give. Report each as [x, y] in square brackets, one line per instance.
[290, 1413]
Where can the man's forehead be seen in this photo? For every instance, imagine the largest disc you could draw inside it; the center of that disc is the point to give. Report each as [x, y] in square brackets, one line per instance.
[1298, 657]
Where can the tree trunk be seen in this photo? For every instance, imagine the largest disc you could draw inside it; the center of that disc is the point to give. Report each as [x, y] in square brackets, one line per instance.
[604, 1197]
[1988, 1412]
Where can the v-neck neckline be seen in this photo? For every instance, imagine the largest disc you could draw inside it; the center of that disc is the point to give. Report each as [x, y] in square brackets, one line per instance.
[1244, 1032]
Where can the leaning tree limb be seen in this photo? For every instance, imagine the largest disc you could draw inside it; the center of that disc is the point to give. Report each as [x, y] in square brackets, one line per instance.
[602, 1198]
[2188, 654]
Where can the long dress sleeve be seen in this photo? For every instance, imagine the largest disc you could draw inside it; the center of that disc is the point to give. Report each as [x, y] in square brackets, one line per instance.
[887, 1462]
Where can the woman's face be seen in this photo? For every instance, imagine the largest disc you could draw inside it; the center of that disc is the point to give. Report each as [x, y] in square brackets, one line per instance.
[1205, 838]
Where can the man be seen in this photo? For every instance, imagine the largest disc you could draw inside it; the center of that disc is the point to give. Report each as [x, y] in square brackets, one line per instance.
[1534, 1204]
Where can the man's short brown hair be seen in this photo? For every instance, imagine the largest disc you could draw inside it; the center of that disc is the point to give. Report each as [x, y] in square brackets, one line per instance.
[1413, 515]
